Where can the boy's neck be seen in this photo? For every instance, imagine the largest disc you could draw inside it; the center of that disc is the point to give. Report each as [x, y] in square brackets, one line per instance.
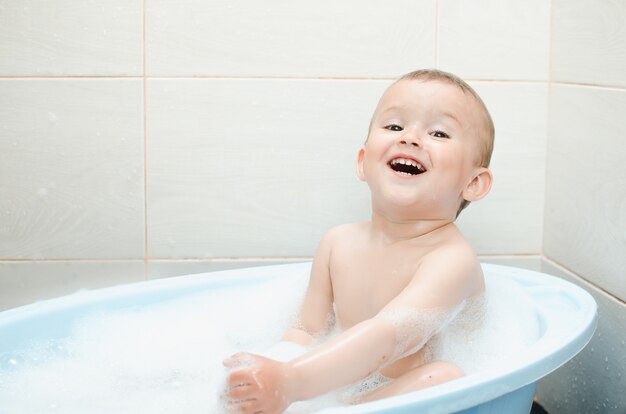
[394, 229]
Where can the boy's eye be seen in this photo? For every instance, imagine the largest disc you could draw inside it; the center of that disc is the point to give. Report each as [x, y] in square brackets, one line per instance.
[393, 127]
[439, 134]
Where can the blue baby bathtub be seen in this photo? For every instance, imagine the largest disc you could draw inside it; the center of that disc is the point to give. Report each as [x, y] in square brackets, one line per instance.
[566, 313]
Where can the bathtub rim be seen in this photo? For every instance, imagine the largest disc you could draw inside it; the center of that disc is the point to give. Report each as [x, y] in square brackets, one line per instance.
[457, 395]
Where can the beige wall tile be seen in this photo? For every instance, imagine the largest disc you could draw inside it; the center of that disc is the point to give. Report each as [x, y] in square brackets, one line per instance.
[71, 37]
[253, 167]
[215, 191]
[595, 380]
[491, 39]
[22, 283]
[71, 169]
[509, 220]
[286, 39]
[585, 227]
[589, 42]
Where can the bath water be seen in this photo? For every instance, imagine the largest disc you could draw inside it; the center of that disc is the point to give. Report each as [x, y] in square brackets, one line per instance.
[167, 358]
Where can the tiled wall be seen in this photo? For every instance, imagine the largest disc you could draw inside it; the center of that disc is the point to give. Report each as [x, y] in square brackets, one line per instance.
[585, 213]
[166, 137]
[149, 138]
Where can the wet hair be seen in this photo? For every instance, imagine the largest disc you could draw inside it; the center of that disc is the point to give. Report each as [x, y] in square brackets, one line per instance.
[487, 131]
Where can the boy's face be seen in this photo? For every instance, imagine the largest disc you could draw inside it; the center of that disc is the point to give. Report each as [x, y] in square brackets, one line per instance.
[423, 149]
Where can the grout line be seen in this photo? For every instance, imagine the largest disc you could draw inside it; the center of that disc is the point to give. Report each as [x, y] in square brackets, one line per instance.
[589, 85]
[69, 260]
[547, 129]
[550, 33]
[181, 259]
[234, 259]
[269, 77]
[145, 147]
[72, 77]
[437, 34]
[295, 78]
[143, 39]
[257, 77]
[227, 258]
[512, 256]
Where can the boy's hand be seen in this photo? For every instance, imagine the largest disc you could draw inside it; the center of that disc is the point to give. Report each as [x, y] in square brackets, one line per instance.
[256, 385]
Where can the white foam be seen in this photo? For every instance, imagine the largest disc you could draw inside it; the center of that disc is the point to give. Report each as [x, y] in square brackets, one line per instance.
[168, 358]
[500, 325]
[161, 359]
[414, 328]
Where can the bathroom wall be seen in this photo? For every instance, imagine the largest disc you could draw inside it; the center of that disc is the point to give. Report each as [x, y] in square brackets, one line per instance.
[585, 212]
[151, 138]
[154, 138]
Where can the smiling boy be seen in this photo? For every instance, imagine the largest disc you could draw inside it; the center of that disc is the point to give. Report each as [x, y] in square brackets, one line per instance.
[392, 282]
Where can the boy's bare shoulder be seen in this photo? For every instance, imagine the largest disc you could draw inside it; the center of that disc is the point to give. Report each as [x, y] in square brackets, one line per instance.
[452, 244]
[344, 232]
[337, 238]
[458, 249]
[454, 262]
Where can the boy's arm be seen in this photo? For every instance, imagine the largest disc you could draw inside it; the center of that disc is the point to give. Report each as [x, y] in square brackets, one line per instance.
[313, 317]
[439, 285]
[435, 293]
[247, 389]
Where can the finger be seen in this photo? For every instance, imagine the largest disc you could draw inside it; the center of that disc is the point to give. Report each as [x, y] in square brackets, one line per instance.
[242, 393]
[244, 407]
[232, 361]
[239, 378]
[238, 359]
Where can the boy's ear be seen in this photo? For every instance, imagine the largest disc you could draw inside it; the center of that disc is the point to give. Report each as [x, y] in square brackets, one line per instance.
[359, 165]
[479, 186]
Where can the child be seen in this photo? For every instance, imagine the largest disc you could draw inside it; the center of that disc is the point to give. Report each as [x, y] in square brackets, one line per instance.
[395, 281]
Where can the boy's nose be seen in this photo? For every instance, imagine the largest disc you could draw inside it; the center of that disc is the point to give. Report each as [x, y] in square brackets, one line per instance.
[410, 141]
[411, 136]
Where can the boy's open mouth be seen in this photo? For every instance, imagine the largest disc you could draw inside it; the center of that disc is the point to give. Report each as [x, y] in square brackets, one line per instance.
[406, 166]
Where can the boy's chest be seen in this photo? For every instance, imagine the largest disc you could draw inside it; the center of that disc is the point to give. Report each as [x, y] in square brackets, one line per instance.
[365, 280]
